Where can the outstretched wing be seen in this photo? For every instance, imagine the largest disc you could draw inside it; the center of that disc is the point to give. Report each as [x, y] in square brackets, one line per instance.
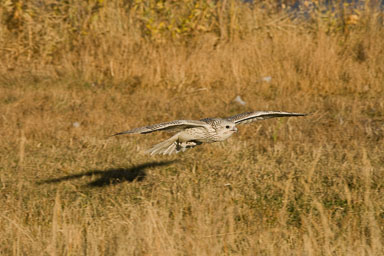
[173, 126]
[249, 117]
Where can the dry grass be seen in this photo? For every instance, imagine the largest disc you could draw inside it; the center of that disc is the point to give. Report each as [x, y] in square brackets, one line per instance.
[298, 186]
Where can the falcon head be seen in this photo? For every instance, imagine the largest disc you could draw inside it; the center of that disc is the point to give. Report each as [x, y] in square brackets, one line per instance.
[226, 129]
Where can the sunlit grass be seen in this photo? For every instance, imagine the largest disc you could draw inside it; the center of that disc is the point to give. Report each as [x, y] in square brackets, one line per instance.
[300, 186]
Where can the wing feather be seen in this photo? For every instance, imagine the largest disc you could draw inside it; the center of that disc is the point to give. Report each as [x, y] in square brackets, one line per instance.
[173, 126]
[249, 117]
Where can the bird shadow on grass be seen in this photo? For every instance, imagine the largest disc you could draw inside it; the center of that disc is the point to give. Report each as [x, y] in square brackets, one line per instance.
[111, 176]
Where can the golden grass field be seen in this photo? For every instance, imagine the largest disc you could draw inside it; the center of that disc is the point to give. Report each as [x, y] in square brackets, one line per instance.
[309, 185]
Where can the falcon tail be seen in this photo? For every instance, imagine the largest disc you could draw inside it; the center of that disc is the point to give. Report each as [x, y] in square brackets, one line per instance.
[172, 145]
[167, 147]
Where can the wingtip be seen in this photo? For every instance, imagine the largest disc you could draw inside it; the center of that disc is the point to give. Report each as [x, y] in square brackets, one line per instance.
[291, 113]
[119, 133]
[297, 114]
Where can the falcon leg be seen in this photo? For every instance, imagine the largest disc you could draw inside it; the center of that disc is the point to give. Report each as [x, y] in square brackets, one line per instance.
[183, 146]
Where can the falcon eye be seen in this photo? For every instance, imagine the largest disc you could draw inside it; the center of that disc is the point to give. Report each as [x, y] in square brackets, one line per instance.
[227, 126]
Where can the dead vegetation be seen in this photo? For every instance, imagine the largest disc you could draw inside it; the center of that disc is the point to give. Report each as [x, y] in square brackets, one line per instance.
[298, 186]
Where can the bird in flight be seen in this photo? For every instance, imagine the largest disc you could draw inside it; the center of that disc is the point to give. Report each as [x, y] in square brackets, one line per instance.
[191, 133]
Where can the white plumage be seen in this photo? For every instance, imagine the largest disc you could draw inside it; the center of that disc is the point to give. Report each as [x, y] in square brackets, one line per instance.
[191, 133]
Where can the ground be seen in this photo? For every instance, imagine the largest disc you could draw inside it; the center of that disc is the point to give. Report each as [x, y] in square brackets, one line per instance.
[308, 185]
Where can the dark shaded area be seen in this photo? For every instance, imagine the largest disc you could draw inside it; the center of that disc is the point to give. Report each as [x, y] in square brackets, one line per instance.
[112, 176]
